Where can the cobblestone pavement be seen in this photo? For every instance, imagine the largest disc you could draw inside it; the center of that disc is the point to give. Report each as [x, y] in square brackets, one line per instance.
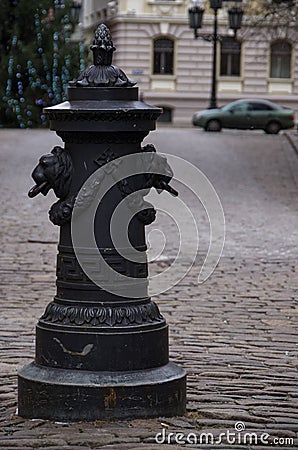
[236, 335]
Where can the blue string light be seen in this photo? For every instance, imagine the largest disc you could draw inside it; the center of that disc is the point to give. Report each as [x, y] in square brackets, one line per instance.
[10, 67]
[82, 56]
[55, 78]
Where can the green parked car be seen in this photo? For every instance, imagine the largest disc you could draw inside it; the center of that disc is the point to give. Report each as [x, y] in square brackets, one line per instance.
[246, 114]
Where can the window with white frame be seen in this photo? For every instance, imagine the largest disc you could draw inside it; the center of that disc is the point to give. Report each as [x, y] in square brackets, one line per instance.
[230, 57]
[280, 59]
[163, 56]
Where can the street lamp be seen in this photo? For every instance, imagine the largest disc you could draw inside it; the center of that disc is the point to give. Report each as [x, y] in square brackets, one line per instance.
[195, 22]
[75, 11]
[235, 18]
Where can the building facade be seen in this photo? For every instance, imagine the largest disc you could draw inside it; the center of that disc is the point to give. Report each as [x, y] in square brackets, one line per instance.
[156, 48]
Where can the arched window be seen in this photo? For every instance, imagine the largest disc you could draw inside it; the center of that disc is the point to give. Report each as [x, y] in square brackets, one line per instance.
[281, 55]
[163, 56]
[230, 57]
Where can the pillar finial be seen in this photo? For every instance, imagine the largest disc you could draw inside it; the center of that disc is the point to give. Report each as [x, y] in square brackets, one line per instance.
[102, 73]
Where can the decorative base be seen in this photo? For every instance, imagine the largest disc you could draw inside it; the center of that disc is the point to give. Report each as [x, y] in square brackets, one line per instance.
[78, 395]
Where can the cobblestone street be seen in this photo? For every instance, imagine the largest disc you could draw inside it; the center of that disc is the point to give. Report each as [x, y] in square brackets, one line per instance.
[236, 334]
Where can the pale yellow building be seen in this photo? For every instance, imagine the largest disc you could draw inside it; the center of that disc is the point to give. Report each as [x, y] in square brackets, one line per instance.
[156, 48]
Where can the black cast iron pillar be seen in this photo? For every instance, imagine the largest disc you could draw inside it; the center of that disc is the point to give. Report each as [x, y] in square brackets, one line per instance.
[100, 355]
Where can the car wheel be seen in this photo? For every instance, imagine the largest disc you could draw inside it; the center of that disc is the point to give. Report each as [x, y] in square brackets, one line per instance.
[273, 128]
[213, 125]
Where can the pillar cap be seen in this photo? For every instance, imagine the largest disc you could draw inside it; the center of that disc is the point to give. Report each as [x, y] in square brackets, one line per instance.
[102, 73]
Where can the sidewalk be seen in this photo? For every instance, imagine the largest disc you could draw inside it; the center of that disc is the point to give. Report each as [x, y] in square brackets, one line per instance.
[236, 335]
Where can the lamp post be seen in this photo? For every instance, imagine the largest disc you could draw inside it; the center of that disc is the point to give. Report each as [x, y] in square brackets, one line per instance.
[195, 22]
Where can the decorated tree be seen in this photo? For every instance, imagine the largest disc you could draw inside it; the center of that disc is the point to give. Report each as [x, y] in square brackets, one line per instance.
[37, 59]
